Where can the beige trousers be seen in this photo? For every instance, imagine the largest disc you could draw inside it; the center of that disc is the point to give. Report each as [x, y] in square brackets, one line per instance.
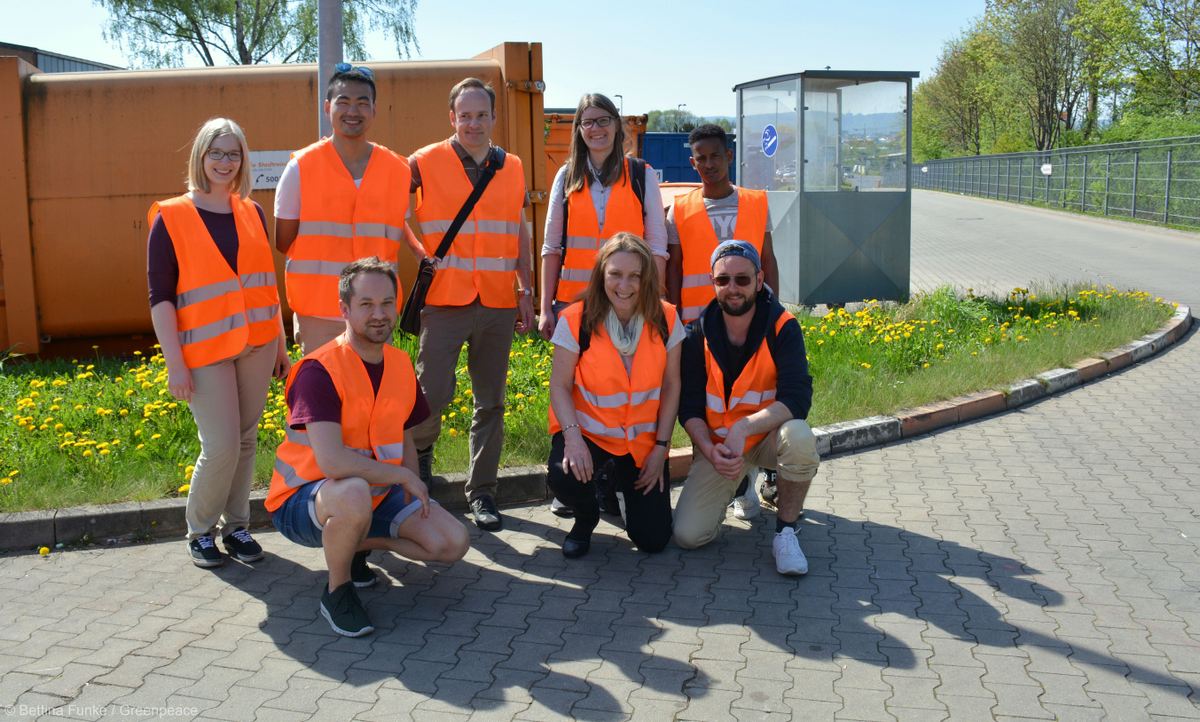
[227, 402]
[313, 332]
[488, 333]
[791, 450]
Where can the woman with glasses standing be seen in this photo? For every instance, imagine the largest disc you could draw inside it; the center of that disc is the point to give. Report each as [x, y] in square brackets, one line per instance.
[215, 309]
[614, 393]
[598, 193]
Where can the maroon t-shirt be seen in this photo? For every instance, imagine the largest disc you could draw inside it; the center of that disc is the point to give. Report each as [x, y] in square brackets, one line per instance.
[313, 397]
[162, 267]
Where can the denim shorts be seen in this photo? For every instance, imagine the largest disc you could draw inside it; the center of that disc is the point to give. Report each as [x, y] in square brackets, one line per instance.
[297, 518]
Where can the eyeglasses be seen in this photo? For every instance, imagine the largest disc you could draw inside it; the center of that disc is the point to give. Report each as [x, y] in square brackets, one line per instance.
[360, 69]
[602, 122]
[741, 279]
[216, 156]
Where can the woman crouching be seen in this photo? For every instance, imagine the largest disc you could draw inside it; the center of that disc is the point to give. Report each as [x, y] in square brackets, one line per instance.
[614, 393]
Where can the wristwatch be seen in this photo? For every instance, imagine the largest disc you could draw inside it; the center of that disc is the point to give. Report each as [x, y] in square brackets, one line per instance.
[665, 443]
[524, 291]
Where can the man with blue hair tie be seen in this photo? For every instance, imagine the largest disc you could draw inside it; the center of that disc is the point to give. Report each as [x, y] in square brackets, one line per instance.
[746, 392]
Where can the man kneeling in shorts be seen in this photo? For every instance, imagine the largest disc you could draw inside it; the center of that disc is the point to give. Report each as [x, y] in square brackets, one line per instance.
[346, 476]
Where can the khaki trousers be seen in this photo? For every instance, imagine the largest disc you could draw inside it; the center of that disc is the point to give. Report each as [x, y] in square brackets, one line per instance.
[227, 402]
[791, 450]
[488, 333]
[313, 332]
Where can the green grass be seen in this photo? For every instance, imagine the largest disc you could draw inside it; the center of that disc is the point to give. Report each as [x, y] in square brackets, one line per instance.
[101, 430]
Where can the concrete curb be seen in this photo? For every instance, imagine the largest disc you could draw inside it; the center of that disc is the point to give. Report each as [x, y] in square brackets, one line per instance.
[164, 517]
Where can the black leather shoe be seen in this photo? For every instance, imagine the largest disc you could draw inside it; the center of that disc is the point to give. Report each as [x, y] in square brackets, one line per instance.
[575, 548]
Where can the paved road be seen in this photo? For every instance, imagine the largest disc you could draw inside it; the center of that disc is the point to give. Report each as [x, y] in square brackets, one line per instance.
[1039, 564]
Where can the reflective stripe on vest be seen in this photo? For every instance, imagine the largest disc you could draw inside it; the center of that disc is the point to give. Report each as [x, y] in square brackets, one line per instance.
[372, 423]
[217, 313]
[482, 260]
[623, 212]
[752, 391]
[615, 409]
[340, 223]
[698, 239]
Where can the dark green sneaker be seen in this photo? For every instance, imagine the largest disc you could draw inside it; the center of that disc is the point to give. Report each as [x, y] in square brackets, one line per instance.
[360, 573]
[344, 612]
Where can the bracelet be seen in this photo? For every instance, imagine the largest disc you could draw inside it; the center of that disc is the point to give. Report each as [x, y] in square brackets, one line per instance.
[568, 427]
[665, 443]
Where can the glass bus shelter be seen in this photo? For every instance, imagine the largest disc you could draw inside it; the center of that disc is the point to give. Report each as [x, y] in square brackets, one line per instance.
[832, 150]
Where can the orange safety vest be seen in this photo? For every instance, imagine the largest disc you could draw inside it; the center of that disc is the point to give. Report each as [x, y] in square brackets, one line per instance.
[618, 411]
[698, 240]
[482, 260]
[219, 313]
[753, 390]
[584, 235]
[372, 424]
[340, 223]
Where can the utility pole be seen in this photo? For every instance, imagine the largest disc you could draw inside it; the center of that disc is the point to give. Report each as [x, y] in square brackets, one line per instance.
[329, 54]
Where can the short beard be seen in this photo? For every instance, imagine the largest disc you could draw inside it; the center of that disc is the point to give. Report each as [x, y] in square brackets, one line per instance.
[745, 309]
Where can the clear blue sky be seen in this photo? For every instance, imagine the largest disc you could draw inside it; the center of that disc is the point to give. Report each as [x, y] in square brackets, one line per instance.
[656, 54]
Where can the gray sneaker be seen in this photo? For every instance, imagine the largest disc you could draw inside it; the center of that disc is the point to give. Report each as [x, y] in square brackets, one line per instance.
[487, 517]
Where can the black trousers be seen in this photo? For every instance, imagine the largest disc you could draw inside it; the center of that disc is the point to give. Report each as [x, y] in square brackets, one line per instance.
[647, 516]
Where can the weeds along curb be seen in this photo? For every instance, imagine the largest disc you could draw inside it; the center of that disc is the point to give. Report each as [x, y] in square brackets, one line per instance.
[164, 517]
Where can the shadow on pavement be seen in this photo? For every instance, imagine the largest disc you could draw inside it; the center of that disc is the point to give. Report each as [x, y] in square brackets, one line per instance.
[515, 621]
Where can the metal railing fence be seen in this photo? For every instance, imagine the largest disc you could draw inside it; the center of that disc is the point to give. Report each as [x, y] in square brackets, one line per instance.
[1156, 181]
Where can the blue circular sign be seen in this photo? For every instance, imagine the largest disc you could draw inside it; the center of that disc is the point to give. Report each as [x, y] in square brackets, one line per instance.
[770, 141]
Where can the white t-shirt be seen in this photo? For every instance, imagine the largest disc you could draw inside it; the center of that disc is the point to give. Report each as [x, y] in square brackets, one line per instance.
[287, 193]
[564, 339]
[722, 213]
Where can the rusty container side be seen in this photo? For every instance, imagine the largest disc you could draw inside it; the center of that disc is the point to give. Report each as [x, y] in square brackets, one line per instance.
[18, 309]
[103, 146]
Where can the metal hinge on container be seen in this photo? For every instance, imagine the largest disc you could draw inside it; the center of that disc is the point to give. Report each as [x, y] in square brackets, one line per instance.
[526, 86]
[538, 196]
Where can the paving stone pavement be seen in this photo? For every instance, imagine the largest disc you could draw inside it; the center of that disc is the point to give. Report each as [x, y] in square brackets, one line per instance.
[1037, 564]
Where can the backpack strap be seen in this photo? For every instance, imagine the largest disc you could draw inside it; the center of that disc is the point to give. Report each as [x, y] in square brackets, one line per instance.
[637, 179]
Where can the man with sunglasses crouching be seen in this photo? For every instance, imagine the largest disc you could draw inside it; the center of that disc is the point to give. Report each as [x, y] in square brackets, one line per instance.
[746, 393]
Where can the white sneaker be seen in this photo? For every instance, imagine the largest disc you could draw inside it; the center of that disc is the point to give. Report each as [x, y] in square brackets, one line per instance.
[788, 557]
[746, 507]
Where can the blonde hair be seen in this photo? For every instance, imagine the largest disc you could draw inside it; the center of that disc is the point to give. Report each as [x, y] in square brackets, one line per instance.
[209, 132]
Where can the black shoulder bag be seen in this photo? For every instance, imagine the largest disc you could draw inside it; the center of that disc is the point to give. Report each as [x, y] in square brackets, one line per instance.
[410, 317]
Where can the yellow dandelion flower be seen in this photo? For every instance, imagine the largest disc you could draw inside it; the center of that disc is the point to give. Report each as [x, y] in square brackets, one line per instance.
[185, 488]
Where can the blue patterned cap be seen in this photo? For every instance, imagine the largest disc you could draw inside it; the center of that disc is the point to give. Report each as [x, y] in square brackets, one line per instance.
[736, 248]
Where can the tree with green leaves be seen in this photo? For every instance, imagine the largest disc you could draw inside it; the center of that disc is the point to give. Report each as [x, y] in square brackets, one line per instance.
[1045, 56]
[672, 120]
[161, 33]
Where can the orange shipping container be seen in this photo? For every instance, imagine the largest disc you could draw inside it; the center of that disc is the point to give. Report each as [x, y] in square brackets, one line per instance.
[86, 153]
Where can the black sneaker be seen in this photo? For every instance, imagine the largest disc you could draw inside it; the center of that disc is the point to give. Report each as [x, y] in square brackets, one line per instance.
[241, 546]
[425, 466]
[205, 553]
[360, 573]
[344, 612]
[487, 517]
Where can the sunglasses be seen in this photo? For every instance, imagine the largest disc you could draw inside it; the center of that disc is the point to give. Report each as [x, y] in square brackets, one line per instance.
[360, 69]
[741, 279]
